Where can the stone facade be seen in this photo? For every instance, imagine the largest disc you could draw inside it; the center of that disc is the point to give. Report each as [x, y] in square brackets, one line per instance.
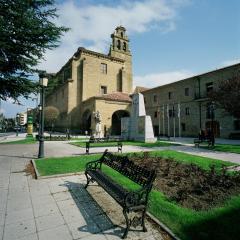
[92, 81]
[190, 95]
[85, 82]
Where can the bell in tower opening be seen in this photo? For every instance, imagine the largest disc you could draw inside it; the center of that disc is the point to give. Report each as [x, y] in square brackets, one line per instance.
[120, 42]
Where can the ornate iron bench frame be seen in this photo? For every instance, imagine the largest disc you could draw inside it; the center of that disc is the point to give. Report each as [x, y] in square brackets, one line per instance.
[130, 201]
[118, 144]
[197, 142]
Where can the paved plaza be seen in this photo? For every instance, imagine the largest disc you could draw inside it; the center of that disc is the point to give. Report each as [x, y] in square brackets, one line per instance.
[60, 208]
[55, 208]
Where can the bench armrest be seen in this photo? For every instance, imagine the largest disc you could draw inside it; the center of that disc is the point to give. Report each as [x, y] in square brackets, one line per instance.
[97, 164]
[136, 198]
[93, 165]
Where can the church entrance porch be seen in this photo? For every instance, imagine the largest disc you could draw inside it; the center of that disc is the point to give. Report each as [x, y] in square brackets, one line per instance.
[116, 121]
[86, 121]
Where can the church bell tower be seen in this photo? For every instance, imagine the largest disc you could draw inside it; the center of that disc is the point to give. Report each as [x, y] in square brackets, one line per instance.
[120, 49]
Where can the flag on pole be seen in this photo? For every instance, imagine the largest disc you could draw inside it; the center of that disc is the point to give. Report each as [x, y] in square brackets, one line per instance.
[179, 110]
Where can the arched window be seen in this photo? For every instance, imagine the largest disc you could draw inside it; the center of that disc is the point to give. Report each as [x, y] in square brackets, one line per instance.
[119, 44]
[124, 46]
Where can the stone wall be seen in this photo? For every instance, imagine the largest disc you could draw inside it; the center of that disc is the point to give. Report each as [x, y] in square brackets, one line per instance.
[193, 107]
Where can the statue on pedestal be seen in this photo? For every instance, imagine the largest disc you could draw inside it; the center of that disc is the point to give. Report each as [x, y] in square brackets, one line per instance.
[98, 127]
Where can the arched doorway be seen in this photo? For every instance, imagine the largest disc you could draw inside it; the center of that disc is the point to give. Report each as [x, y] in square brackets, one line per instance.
[215, 126]
[116, 121]
[86, 121]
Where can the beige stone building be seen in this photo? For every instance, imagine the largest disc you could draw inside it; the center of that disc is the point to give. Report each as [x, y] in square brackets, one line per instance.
[183, 108]
[91, 82]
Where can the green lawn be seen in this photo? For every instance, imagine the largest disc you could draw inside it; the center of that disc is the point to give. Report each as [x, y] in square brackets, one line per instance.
[27, 140]
[51, 166]
[132, 143]
[226, 148]
[217, 224]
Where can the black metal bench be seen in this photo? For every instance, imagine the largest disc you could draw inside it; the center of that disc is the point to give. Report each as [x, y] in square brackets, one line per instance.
[130, 201]
[118, 144]
[198, 141]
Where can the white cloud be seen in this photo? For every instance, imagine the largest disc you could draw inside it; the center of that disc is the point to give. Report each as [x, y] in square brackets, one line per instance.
[91, 25]
[230, 62]
[2, 110]
[159, 79]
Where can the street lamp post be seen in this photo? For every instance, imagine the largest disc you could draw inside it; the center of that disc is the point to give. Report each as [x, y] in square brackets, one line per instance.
[43, 81]
[17, 122]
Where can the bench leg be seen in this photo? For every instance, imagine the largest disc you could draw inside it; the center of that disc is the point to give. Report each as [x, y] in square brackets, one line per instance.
[88, 180]
[143, 222]
[127, 224]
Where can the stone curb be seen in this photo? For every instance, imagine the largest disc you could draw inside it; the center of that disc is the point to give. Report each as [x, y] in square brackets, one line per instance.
[162, 225]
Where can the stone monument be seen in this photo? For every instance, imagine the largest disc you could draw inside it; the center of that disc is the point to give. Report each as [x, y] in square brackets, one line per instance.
[98, 127]
[138, 126]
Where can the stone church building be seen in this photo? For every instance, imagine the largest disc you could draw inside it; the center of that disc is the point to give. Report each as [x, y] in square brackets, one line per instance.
[91, 82]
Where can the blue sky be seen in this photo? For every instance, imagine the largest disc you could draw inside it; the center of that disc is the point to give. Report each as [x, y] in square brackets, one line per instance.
[170, 40]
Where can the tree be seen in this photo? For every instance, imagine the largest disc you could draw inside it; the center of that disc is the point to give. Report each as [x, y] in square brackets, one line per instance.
[26, 32]
[227, 96]
[50, 116]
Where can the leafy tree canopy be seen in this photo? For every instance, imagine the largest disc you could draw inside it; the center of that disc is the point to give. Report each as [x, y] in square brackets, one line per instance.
[27, 30]
[50, 115]
[227, 95]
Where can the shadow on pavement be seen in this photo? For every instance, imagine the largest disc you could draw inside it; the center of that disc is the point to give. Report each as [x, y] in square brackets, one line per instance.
[95, 218]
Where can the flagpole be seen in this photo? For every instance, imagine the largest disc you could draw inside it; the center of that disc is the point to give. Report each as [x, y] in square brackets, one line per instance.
[179, 119]
[168, 120]
[174, 134]
[163, 121]
[159, 122]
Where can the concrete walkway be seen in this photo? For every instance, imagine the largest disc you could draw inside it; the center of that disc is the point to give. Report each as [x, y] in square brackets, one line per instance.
[56, 208]
[64, 149]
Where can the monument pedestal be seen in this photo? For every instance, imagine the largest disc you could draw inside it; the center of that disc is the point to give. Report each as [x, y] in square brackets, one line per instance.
[138, 127]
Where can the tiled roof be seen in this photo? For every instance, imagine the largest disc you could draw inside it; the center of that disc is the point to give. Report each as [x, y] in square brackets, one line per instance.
[139, 89]
[116, 96]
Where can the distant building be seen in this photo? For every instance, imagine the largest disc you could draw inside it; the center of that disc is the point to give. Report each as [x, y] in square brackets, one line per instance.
[185, 106]
[23, 118]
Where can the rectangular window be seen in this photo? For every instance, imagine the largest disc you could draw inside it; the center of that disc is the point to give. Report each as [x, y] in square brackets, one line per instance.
[103, 68]
[154, 98]
[186, 91]
[183, 126]
[103, 90]
[209, 87]
[237, 125]
[170, 95]
[155, 114]
[187, 111]
[67, 74]
[171, 112]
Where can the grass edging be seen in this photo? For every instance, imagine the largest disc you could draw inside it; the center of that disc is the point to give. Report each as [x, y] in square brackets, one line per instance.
[162, 225]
